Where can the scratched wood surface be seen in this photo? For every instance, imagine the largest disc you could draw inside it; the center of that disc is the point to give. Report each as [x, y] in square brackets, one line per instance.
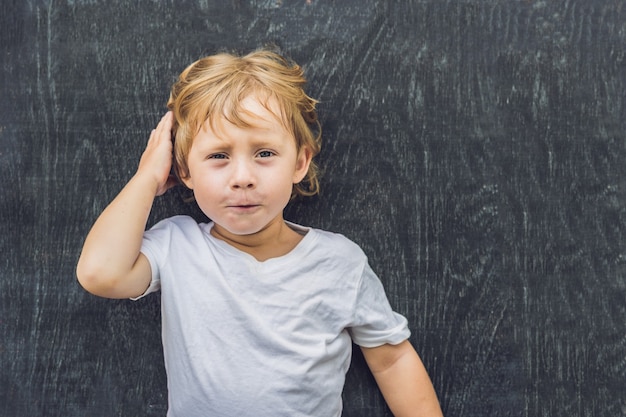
[475, 149]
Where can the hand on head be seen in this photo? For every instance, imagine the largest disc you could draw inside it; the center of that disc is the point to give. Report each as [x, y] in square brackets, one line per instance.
[156, 161]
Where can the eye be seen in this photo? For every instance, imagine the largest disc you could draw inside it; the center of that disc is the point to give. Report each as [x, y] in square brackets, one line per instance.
[217, 156]
[266, 154]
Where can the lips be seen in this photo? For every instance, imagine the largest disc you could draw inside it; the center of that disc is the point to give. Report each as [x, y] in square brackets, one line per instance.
[241, 204]
[243, 207]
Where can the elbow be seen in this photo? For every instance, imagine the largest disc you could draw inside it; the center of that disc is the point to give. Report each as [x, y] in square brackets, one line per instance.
[95, 280]
[113, 280]
[87, 280]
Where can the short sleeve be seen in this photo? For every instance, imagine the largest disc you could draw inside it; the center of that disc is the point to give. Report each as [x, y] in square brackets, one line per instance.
[374, 322]
[153, 240]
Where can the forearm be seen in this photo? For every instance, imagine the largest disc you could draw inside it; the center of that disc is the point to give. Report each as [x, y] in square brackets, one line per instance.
[403, 381]
[113, 244]
[111, 264]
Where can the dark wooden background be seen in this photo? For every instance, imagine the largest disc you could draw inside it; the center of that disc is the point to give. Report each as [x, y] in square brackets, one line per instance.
[475, 149]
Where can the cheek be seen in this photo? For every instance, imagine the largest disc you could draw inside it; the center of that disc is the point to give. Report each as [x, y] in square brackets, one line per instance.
[207, 198]
[206, 185]
[282, 180]
[201, 183]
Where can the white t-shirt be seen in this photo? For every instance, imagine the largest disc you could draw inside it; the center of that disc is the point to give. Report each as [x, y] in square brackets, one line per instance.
[274, 338]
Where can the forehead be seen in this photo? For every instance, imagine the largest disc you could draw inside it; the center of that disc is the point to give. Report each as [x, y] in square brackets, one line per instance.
[255, 108]
[253, 112]
[254, 122]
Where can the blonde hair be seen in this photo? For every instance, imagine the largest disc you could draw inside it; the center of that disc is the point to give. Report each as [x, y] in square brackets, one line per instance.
[215, 86]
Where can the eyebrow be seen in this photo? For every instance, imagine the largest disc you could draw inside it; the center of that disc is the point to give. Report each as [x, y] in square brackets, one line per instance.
[217, 144]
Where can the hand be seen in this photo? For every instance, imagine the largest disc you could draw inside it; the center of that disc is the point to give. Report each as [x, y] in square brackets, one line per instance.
[156, 161]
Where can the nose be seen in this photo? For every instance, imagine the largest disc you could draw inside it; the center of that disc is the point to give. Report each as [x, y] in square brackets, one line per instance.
[243, 176]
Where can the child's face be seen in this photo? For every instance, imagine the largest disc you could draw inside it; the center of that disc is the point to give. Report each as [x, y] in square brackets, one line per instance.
[242, 178]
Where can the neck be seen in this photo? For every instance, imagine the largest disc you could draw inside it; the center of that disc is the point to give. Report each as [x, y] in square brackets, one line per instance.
[274, 240]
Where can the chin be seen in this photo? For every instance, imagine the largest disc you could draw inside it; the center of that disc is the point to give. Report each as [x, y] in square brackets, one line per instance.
[242, 230]
[241, 226]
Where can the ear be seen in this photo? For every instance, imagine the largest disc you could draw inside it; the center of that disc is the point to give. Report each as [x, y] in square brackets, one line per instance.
[302, 164]
[182, 173]
[187, 181]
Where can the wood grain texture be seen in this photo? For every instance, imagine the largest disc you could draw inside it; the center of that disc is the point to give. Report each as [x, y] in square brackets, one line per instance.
[474, 149]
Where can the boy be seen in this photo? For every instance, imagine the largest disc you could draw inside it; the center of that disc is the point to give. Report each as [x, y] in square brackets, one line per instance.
[258, 314]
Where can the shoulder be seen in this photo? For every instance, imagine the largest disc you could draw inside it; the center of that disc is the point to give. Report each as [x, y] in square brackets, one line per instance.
[174, 238]
[179, 228]
[176, 222]
[337, 239]
[336, 245]
[180, 223]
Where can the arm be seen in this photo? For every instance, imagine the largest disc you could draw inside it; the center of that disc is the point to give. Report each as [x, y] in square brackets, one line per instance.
[111, 264]
[403, 380]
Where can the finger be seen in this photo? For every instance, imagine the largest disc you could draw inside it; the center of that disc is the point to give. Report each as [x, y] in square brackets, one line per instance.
[164, 128]
[166, 120]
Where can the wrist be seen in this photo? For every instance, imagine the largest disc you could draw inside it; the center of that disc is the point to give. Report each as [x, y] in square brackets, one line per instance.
[146, 182]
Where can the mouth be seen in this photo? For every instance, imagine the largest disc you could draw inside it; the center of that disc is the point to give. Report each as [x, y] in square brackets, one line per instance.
[243, 207]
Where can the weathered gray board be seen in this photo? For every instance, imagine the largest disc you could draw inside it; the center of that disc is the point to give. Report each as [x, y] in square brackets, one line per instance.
[475, 149]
